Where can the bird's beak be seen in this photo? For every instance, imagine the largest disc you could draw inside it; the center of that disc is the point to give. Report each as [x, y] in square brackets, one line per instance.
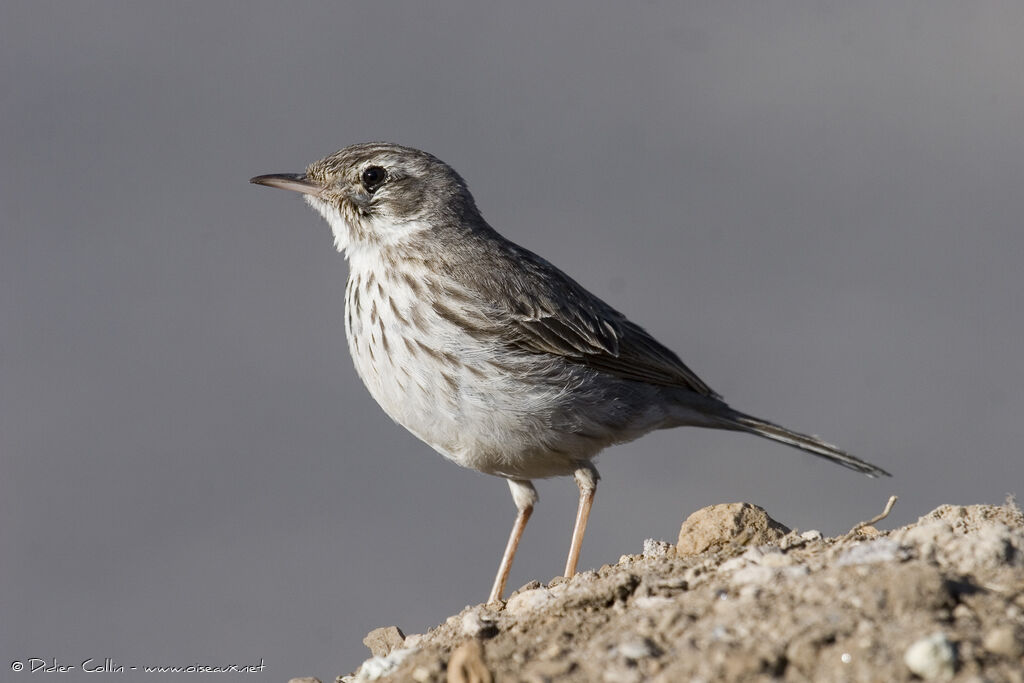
[296, 182]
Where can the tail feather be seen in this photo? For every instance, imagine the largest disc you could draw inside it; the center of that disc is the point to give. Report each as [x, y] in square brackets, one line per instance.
[811, 444]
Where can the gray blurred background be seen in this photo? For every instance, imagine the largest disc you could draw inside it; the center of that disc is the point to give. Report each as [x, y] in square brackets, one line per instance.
[817, 205]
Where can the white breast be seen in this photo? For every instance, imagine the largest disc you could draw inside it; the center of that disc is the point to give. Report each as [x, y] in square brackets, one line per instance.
[401, 355]
[441, 384]
[462, 395]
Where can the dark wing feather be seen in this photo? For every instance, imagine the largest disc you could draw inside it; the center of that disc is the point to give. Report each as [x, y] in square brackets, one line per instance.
[543, 310]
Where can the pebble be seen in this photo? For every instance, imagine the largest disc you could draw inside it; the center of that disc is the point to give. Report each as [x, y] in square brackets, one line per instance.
[1004, 641]
[528, 601]
[653, 548]
[722, 525]
[931, 658]
[475, 624]
[382, 641]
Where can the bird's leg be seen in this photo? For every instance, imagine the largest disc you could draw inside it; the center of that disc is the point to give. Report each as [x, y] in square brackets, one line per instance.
[586, 478]
[525, 496]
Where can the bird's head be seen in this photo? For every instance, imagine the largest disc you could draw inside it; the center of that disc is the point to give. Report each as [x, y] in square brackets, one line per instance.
[378, 193]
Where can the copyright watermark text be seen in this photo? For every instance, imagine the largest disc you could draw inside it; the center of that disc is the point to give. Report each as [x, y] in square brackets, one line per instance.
[107, 665]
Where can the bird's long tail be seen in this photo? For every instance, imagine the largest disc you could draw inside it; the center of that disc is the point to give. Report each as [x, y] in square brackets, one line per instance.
[748, 423]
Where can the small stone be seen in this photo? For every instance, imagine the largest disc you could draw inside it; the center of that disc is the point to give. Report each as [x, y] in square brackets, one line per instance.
[931, 658]
[811, 535]
[382, 641]
[475, 624]
[304, 679]
[721, 525]
[653, 548]
[962, 612]
[1005, 641]
[528, 601]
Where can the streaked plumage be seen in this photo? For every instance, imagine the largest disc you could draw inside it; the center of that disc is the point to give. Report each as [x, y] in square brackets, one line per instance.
[487, 352]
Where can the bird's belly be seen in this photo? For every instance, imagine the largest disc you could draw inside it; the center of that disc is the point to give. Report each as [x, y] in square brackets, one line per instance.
[516, 417]
[476, 418]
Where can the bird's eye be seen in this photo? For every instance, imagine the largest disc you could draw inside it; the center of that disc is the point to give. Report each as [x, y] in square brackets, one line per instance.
[373, 177]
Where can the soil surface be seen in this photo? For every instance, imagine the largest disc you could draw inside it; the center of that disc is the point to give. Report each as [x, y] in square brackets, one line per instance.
[742, 598]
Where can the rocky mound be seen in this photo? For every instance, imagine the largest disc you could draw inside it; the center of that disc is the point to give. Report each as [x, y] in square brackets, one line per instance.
[743, 598]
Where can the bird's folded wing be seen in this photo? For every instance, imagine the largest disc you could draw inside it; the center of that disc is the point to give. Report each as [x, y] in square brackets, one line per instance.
[617, 347]
[543, 310]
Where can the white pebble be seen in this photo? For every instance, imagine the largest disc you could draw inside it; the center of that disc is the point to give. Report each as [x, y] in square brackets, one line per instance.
[931, 658]
[474, 623]
[528, 601]
[653, 548]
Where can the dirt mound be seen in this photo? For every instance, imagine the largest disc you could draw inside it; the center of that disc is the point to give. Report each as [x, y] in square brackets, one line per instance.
[746, 599]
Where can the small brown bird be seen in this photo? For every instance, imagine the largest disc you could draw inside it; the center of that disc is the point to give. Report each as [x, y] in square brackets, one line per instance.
[488, 353]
